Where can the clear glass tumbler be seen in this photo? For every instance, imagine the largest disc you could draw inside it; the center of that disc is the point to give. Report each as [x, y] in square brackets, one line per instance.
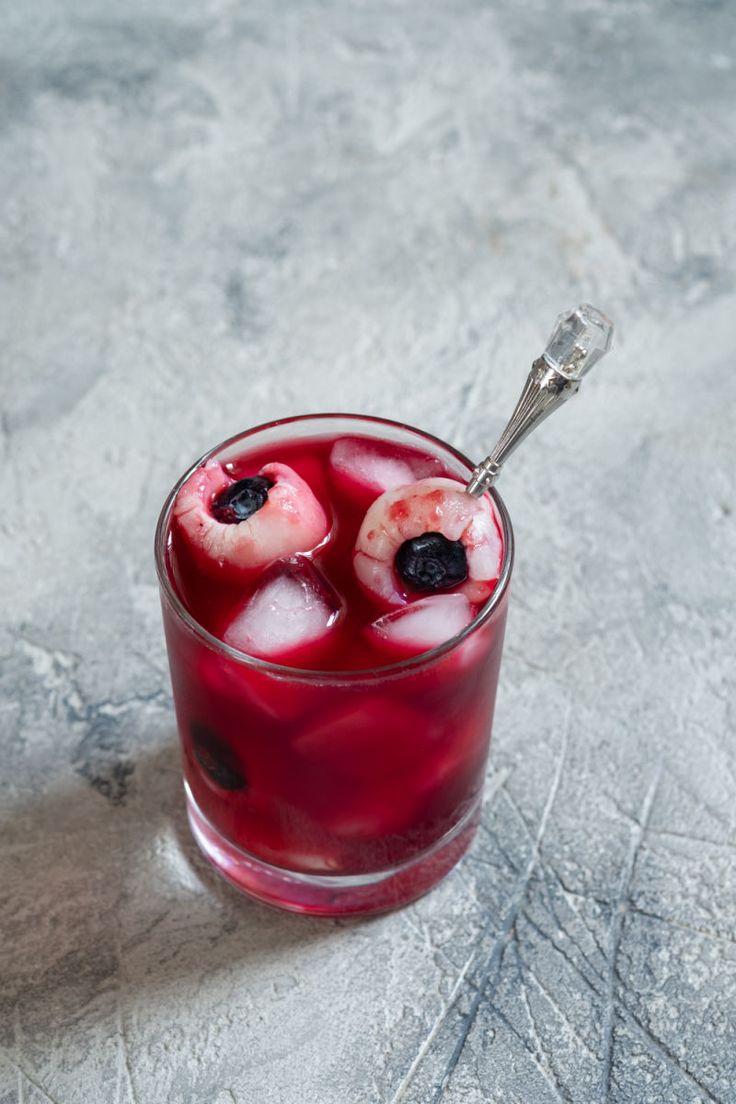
[371, 813]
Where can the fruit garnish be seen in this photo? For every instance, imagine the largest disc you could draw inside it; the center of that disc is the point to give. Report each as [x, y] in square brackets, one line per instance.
[241, 499]
[431, 562]
[216, 758]
[398, 554]
[233, 526]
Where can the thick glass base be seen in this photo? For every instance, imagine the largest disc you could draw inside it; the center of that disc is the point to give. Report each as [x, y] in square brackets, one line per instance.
[332, 895]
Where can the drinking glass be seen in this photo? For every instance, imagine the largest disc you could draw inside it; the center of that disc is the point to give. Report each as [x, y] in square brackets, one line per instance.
[333, 792]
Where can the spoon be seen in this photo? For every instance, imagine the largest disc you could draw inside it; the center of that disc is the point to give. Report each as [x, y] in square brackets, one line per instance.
[578, 341]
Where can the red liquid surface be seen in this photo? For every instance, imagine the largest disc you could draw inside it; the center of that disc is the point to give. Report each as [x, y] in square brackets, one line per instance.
[349, 776]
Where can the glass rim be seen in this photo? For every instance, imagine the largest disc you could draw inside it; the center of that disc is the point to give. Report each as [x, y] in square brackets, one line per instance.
[305, 674]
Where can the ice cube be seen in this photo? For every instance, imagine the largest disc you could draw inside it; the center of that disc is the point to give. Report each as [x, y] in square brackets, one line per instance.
[364, 741]
[422, 625]
[293, 607]
[367, 468]
[384, 810]
[358, 761]
[286, 836]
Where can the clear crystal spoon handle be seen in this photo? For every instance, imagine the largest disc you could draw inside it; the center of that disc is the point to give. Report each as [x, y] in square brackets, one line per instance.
[578, 341]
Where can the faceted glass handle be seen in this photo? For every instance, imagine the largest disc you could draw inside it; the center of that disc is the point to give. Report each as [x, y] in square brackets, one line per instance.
[578, 341]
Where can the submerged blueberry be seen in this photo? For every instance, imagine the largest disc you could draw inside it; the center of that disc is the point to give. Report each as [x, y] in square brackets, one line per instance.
[216, 759]
[432, 562]
[240, 500]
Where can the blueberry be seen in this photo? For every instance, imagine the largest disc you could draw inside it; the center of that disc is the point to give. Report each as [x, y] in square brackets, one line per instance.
[216, 759]
[432, 562]
[240, 500]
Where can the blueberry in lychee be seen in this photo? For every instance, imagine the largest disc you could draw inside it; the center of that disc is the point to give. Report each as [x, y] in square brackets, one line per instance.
[216, 759]
[398, 550]
[431, 562]
[241, 499]
[279, 511]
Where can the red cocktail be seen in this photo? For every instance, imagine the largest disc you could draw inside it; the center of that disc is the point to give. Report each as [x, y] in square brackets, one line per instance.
[334, 607]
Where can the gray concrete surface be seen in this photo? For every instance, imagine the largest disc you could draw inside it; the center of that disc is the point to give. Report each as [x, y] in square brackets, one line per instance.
[215, 213]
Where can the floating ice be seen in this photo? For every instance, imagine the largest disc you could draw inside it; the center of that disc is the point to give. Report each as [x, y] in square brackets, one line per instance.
[422, 625]
[368, 468]
[293, 607]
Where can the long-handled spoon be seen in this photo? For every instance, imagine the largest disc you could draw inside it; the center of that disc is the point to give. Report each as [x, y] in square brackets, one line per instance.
[578, 341]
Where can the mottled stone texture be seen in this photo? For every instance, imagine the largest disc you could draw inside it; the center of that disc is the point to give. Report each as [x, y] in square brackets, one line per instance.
[214, 213]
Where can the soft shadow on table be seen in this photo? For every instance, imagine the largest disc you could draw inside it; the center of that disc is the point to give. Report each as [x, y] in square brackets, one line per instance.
[98, 891]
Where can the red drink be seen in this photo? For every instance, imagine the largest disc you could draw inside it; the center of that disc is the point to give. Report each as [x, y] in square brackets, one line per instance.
[334, 702]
